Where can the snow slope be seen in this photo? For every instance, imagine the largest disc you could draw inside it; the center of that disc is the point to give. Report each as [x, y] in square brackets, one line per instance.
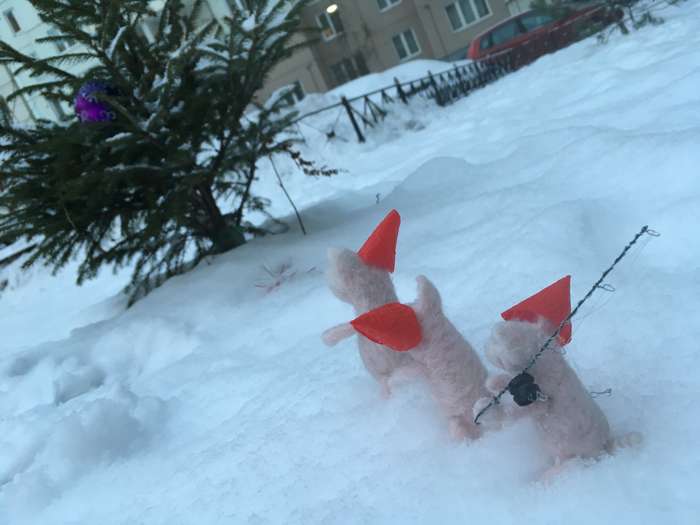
[213, 401]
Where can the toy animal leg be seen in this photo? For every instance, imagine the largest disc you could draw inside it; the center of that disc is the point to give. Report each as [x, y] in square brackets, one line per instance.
[632, 439]
[462, 428]
[552, 472]
[495, 384]
[384, 387]
[560, 464]
[493, 418]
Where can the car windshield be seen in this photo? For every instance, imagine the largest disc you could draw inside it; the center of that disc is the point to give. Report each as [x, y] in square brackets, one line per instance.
[532, 21]
[506, 32]
[486, 42]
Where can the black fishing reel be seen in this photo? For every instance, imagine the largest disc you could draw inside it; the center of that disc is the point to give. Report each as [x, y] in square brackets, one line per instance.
[524, 389]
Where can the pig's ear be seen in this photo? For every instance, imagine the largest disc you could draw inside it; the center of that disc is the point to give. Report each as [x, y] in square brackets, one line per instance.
[379, 250]
[552, 303]
[428, 297]
[394, 325]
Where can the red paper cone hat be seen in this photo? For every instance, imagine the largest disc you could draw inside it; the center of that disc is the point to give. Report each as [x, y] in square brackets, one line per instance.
[553, 303]
[394, 325]
[380, 248]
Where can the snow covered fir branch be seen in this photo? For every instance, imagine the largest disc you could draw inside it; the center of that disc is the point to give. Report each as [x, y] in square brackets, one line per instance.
[158, 166]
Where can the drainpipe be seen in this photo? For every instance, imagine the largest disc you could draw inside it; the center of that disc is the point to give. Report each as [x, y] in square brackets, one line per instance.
[369, 46]
[347, 35]
[317, 85]
[437, 30]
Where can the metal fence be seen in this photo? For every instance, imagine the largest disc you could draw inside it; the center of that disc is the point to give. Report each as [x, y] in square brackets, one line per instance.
[369, 109]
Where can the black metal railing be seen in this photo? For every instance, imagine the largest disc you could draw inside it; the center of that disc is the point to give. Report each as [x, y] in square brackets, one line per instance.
[370, 109]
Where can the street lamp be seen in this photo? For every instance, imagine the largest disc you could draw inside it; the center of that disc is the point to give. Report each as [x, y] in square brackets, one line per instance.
[331, 9]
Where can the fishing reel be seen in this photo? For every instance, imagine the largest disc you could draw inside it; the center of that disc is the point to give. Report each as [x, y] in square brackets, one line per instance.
[524, 390]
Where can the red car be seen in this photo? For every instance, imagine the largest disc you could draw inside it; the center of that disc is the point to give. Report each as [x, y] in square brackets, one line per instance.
[527, 36]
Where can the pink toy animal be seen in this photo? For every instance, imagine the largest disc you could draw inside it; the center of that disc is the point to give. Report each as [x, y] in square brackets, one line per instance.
[454, 371]
[363, 280]
[449, 363]
[569, 422]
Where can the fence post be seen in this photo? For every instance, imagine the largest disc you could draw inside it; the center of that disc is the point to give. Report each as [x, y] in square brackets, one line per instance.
[400, 90]
[348, 108]
[438, 97]
[386, 98]
[368, 104]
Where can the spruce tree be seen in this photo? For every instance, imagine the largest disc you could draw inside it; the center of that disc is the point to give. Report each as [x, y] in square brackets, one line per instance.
[149, 187]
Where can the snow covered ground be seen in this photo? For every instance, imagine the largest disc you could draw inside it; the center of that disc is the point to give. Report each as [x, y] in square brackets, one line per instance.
[213, 401]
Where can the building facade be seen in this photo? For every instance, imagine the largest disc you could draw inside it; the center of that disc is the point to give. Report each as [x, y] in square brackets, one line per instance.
[356, 37]
[362, 36]
[20, 26]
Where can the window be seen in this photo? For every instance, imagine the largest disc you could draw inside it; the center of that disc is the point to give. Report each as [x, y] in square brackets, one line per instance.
[61, 45]
[486, 42]
[349, 69]
[406, 44]
[482, 8]
[344, 71]
[384, 5]
[361, 64]
[532, 21]
[295, 94]
[504, 33]
[464, 13]
[10, 17]
[330, 24]
[58, 109]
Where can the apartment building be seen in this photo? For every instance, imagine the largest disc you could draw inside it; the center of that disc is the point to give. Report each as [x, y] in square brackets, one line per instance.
[21, 26]
[363, 36]
[356, 37]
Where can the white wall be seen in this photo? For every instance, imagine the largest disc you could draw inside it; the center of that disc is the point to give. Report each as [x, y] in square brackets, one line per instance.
[24, 41]
[518, 6]
[29, 108]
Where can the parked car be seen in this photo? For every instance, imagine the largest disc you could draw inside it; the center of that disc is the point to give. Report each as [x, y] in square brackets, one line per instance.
[527, 36]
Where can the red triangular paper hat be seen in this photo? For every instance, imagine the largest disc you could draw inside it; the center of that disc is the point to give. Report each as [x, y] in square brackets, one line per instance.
[553, 303]
[394, 325]
[380, 248]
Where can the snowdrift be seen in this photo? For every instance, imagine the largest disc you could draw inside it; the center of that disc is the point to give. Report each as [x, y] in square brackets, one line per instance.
[213, 400]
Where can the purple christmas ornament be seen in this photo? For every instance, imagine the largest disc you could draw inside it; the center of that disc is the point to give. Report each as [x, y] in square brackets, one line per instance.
[89, 108]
